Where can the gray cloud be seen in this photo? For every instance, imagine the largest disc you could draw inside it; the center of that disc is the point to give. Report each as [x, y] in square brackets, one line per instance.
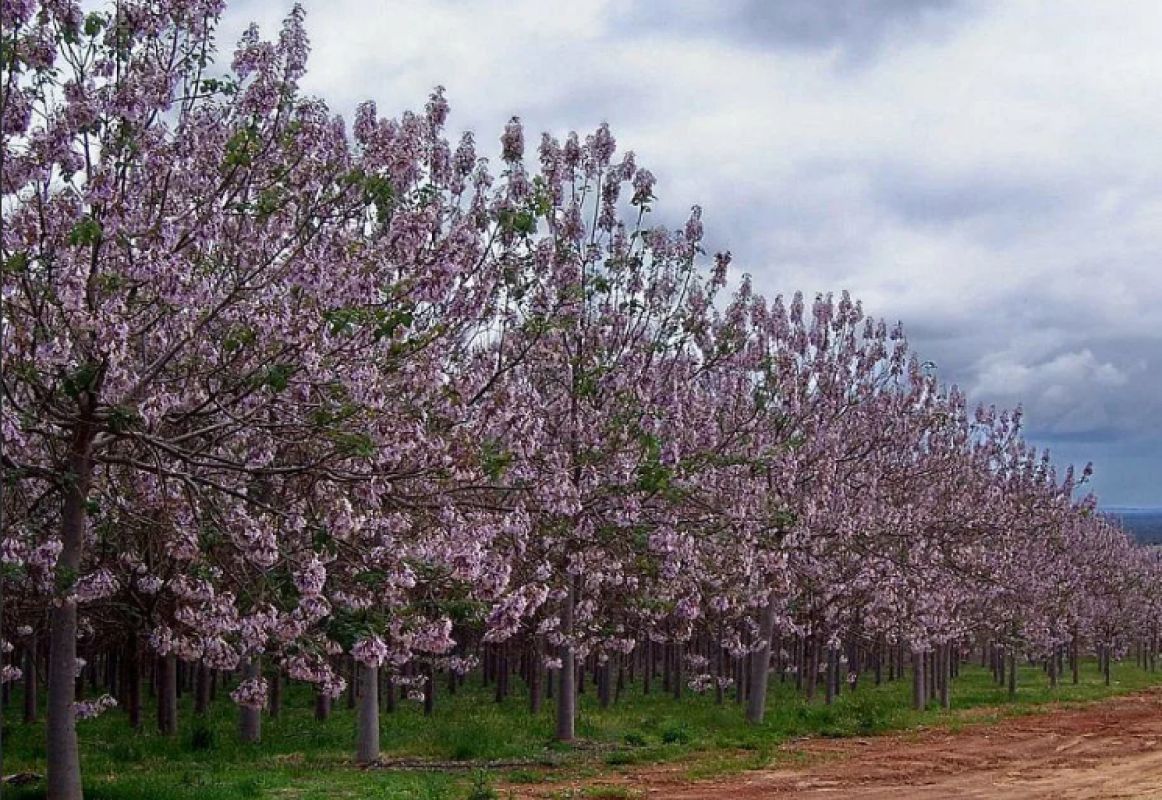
[855, 28]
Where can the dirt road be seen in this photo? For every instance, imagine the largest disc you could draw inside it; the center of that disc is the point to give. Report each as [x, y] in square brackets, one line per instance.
[1108, 750]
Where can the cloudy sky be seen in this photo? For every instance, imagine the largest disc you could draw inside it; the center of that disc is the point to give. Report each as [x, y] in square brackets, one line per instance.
[989, 172]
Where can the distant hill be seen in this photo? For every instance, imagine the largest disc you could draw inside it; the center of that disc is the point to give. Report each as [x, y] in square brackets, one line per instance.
[1144, 524]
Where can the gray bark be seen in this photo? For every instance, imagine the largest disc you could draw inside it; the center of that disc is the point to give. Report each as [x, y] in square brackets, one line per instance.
[62, 756]
[756, 705]
[167, 700]
[567, 693]
[275, 707]
[946, 677]
[367, 747]
[202, 689]
[536, 672]
[322, 705]
[30, 681]
[919, 692]
[250, 718]
[1012, 673]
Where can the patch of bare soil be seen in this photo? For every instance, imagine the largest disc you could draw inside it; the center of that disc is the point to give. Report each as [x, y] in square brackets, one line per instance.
[1108, 750]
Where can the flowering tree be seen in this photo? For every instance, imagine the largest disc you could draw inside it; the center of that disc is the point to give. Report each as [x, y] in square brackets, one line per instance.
[208, 298]
[272, 395]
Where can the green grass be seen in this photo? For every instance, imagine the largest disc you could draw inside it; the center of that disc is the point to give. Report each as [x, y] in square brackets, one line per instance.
[301, 759]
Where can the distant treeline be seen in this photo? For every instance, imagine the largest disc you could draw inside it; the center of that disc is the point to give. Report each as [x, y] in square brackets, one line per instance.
[1145, 525]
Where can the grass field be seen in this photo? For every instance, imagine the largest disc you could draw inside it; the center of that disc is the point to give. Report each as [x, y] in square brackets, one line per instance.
[301, 759]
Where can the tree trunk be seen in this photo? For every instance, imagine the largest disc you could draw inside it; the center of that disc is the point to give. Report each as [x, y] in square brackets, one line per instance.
[389, 700]
[1012, 673]
[919, 692]
[275, 709]
[30, 681]
[133, 682]
[322, 705]
[167, 699]
[756, 704]
[648, 666]
[945, 676]
[351, 682]
[832, 675]
[367, 751]
[202, 689]
[605, 674]
[567, 693]
[536, 670]
[879, 657]
[62, 756]
[812, 667]
[429, 689]
[249, 717]
[667, 668]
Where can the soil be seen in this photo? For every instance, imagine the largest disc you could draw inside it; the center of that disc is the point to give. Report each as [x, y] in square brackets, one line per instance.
[1106, 750]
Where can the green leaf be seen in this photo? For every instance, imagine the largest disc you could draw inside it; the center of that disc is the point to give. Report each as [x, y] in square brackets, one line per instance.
[80, 380]
[395, 319]
[493, 460]
[94, 24]
[16, 263]
[124, 418]
[355, 444]
[277, 376]
[85, 232]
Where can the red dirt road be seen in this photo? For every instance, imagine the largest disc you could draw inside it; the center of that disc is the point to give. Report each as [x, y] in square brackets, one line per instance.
[1108, 750]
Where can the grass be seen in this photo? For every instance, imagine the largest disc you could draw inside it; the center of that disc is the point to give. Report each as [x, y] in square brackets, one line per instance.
[301, 759]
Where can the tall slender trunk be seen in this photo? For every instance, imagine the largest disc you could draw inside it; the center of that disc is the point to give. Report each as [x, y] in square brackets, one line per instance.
[719, 674]
[133, 681]
[605, 683]
[946, 676]
[389, 701]
[813, 667]
[30, 681]
[276, 686]
[62, 756]
[536, 670]
[167, 700]
[648, 666]
[249, 717]
[919, 692]
[879, 660]
[322, 705]
[832, 675]
[1012, 673]
[429, 689]
[567, 693]
[202, 689]
[667, 667]
[367, 751]
[349, 664]
[756, 704]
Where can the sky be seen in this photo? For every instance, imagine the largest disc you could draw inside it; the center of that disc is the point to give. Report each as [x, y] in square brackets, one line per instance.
[988, 172]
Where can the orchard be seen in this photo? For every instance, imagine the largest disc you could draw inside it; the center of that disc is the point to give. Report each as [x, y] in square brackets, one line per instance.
[292, 401]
